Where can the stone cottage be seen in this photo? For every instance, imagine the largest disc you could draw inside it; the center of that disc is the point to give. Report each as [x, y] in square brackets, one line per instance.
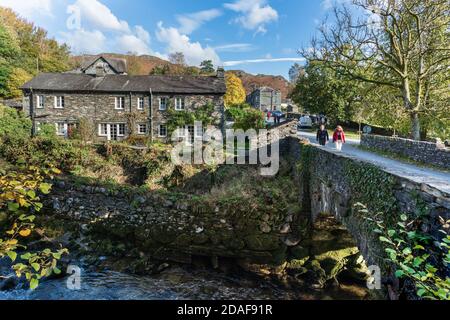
[116, 103]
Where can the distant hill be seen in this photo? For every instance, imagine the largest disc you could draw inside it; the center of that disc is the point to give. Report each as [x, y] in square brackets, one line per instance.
[143, 65]
[251, 82]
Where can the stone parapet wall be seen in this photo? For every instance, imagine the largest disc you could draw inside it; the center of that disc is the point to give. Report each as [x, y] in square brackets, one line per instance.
[421, 151]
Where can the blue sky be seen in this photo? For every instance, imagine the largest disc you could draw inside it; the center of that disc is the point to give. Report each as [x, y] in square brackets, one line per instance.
[257, 36]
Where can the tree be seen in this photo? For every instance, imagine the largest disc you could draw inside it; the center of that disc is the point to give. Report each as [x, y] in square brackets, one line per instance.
[245, 117]
[177, 58]
[235, 91]
[13, 123]
[26, 50]
[322, 90]
[207, 67]
[160, 70]
[295, 72]
[400, 44]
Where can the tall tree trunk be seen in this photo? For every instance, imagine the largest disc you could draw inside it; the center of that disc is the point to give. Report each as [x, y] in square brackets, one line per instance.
[415, 126]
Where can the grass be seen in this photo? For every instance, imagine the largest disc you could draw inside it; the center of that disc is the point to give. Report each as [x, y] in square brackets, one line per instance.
[395, 156]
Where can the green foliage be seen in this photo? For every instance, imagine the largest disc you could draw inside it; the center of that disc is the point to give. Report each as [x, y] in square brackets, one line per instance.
[47, 131]
[26, 50]
[207, 67]
[180, 119]
[13, 123]
[19, 201]
[417, 256]
[245, 117]
[160, 70]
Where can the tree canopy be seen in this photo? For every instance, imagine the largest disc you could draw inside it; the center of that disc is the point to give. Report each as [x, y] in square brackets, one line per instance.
[235, 91]
[26, 50]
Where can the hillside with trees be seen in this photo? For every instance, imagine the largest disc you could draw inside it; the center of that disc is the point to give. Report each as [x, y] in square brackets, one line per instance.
[26, 50]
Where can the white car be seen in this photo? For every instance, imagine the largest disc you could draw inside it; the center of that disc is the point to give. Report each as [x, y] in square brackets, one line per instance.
[305, 122]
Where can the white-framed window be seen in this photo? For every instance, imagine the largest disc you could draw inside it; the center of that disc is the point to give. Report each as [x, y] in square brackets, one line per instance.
[120, 103]
[103, 130]
[61, 128]
[40, 102]
[179, 104]
[142, 128]
[38, 126]
[162, 131]
[121, 129]
[199, 131]
[140, 103]
[59, 102]
[163, 104]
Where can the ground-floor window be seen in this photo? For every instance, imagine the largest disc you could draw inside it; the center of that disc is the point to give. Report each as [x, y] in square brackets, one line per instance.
[142, 128]
[162, 131]
[61, 128]
[112, 131]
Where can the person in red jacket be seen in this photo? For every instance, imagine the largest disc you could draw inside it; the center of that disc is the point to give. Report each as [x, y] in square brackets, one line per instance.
[339, 138]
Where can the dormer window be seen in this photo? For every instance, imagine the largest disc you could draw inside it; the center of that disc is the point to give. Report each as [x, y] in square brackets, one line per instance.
[120, 103]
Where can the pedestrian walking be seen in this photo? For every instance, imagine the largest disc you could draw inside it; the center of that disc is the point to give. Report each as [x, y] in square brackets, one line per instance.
[339, 138]
[322, 136]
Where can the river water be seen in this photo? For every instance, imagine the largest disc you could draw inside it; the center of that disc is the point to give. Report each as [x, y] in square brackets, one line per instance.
[176, 283]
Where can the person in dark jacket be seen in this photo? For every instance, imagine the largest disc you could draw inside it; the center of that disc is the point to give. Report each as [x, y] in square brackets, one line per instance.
[322, 136]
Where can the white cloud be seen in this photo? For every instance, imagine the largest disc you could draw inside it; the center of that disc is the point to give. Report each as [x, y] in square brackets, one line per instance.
[256, 14]
[99, 16]
[29, 9]
[85, 42]
[235, 47]
[239, 62]
[191, 22]
[177, 42]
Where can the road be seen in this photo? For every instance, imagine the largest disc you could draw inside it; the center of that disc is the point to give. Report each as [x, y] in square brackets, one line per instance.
[432, 177]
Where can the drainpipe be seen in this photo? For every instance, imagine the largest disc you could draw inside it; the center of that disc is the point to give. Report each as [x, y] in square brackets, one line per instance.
[131, 130]
[32, 114]
[151, 114]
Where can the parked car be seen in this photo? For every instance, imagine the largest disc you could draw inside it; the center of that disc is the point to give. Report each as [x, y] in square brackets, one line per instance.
[278, 113]
[305, 122]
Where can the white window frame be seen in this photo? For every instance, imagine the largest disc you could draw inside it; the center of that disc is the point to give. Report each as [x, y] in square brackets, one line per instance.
[59, 102]
[139, 127]
[40, 99]
[140, 100]
[161, 108]
[159, 131]
[100, 127]
[118, 129]
[119, 103]
[65, 129]
[180, 106]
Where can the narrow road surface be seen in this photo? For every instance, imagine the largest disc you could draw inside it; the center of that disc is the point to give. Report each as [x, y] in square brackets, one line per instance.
[432, 177]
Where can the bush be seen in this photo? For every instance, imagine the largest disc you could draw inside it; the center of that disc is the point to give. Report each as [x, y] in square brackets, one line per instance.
[14, 123]
[245, 117]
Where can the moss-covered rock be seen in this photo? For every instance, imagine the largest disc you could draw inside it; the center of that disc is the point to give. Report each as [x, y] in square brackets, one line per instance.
[264, 242]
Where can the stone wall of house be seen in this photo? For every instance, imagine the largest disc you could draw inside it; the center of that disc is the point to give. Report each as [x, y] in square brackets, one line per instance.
[421, 151]
[100, 108]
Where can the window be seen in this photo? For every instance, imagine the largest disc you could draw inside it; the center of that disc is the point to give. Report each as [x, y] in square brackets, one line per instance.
[120, 103]
[59, 102]
[140, 103]
[61, 128]
[103, 129]
[40, 102]
[162, 131]
[162, 104]
[179, 104]
[142, 128]
[199, 131]
[121, 129]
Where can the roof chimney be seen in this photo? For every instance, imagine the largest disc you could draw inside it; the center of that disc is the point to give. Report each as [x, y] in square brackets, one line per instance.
[220, 72]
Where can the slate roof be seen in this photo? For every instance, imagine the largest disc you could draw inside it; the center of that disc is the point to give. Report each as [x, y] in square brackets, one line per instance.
[71, 82]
